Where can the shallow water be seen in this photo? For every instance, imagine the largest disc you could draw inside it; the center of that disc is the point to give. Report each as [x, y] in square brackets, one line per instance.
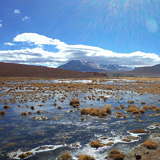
[62, 128]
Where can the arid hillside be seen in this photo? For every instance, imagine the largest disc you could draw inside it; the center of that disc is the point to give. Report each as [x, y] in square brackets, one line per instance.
[20, 70]
[150, 71]
[147, 71]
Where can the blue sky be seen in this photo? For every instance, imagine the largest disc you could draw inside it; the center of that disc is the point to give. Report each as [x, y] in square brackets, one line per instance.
[51, 32]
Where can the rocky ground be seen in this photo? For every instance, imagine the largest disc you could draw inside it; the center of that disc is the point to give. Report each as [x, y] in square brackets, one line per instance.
[142, 153]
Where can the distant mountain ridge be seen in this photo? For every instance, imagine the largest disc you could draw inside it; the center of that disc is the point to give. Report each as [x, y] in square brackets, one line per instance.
[81, 66]
[85, 66]
[115, 67]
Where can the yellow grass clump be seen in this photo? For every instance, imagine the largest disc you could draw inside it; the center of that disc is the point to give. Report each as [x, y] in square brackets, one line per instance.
[139, 131]
[29, 153]
[59, 107]
[143, 102]
[23, 113]
[97, 111]
[120, 115]
[55, 104]
[116, 154]
[6, 107]
[23, 155]
[150, 144]
[86, 157]
[134, 109]
[146, 107]
[130, 101]
[117, 108]
[157, 109]
[122, 106]
[74, 102]
[38, 112]
[3, 113]
[96, 144]
[66, 156]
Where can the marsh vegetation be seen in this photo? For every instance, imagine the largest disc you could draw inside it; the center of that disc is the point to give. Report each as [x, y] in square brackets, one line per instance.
[77, 118]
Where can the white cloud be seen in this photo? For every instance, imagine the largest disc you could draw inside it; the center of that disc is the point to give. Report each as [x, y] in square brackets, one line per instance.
[27, 56]
[67, 52]
[36, 39]
[17, 11]
[9, 44]
[100, 55]
[25, 18]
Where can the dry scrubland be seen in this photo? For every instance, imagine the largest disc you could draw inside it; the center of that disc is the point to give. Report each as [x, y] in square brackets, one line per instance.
[27, 91]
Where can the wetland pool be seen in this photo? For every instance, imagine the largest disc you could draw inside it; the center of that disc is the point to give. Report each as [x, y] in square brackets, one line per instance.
[38, 118]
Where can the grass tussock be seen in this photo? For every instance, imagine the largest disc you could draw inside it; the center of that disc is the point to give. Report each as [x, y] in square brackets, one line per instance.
[24, 114]
[143, 102]
[109, 144]
[120, 115]
[38, 112]
[6, 107]
[150, 144]
[55, 104]
[130, 138]
[3, 113]
[157, 109]
[74, 102]
[29, 153]
[116, 154]
[86, 157]
[23, 155]
[134, 109]
[146, 107]
[131, 102]
[97, 111]
[96, 144]
[117, 108]
[66, 156]
[59, 107]
[139, 131]
[122, 106]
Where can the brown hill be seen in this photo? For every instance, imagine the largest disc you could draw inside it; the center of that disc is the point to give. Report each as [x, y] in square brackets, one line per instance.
[21, 70]
[152, 71]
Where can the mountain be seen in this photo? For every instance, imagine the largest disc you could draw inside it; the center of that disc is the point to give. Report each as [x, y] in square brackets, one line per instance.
[21, 70]
[147, 71]
[85, 66]
[82, 66]
[114, 67]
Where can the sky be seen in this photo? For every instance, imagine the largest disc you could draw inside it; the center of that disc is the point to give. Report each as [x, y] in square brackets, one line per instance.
[53, 32]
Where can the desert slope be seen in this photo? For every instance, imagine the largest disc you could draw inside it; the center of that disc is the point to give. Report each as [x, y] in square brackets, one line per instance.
[21, 70]
[147, 71]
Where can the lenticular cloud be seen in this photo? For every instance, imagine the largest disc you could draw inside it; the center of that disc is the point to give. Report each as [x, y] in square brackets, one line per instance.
[73, 52]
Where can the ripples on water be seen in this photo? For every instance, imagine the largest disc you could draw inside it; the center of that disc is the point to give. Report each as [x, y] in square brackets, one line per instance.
[62, 128]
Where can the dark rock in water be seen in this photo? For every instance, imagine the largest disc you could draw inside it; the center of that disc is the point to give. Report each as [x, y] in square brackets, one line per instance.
[138, 157]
